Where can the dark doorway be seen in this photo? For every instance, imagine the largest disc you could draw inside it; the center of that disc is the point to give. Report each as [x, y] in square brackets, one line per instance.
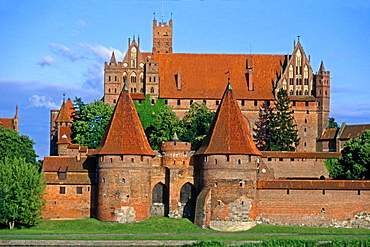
[188, 197]
[159, 200]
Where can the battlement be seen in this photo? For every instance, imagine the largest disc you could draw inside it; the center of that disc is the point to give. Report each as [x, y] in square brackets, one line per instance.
[162, 24]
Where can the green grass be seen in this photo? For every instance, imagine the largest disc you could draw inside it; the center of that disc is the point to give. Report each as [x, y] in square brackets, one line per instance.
[159, 225]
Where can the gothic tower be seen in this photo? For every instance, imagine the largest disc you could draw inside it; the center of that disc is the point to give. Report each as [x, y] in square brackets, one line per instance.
[229, 163]
[162, 37]
[124, 167]
[322, 81]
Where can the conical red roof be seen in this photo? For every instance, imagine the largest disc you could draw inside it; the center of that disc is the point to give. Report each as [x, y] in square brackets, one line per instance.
[65, 112]
[124, 133]
[229, 132]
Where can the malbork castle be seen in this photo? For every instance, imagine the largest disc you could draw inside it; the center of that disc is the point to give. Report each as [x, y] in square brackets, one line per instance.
[228, 184]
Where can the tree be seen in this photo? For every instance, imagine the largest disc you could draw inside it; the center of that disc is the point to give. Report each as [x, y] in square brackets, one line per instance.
[21, 192]
[89, 122]
[13, 145]
[148, 112]
[333, 123]
[196, 124]
[355, 160]
[165, 125]
[283, 130]
[261, 130]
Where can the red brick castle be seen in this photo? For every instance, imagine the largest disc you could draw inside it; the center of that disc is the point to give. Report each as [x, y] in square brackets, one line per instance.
[228, 184]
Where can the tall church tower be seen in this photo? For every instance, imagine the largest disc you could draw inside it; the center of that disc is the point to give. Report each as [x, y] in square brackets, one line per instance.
[322, 81]
[162, 37]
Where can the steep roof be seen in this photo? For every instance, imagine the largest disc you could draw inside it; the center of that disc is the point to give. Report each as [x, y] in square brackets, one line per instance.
[65, 112]
[329, 134]
[124, 134]
[203, 75]
[229, 132]
[7, 123]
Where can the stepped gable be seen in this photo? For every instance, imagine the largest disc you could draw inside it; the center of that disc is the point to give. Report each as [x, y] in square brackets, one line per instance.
[209, 69]
[229, 132]
[124, 133]
[65, 112]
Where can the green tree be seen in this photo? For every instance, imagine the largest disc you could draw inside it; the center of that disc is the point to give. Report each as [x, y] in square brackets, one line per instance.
[148, 111]
[196, 124]
[22, 188]
[333, 123]
[355, 160]
[283, 130]
[261, 130]
[13, 145]
[89, 122]
[165, 125]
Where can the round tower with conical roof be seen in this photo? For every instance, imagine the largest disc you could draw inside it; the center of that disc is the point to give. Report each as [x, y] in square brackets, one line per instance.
[124, 167]
[229, 163]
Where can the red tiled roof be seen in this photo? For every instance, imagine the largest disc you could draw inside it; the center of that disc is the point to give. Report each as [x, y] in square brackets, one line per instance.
[203, 75]
[229, 132]
[329, 134]
[137, 96]
[125, 134]
[64, 114]
[352, 131]
[67, 163]
[64, 130]
[7, 123]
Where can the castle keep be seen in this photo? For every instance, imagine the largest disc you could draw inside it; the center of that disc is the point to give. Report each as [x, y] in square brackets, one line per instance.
[227, 184]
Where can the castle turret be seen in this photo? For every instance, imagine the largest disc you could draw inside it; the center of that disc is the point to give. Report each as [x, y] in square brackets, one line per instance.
[322, 81]
[124, 167]
[229, 161]
[162, 37]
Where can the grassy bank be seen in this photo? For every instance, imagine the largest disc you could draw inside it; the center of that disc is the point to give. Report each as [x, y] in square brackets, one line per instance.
[158, 225]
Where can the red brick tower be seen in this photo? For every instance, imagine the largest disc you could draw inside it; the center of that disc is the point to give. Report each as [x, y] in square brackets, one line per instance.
[162, 37]
[124, 167]
[229, 163]
[322, 81]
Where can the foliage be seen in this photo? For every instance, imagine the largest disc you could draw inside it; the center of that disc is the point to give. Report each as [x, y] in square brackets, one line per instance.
[13, 145]
[196, 124]
[261, 130]
[89, 122]
[22, 189]
[165, 125]
[330, 164]
[355, 160]
[333, 123]
[283, 130]
[148, 111]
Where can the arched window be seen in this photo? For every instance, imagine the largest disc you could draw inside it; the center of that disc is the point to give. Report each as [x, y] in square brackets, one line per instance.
[133, 78]
[152, 90]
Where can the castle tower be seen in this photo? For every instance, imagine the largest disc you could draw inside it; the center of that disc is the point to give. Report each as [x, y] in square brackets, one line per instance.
[162, 37]
[124, 167]
[229, 161]
[322, 81]
[129, 71]
[60, 121]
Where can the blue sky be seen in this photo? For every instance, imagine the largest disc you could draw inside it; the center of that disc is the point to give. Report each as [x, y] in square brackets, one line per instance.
[49, 47]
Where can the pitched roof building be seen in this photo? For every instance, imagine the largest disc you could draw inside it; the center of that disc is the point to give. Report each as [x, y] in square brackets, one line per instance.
[10, 123]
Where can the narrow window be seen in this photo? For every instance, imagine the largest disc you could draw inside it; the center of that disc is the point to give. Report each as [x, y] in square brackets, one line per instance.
[178, 102]
[240, 184]
[114, 101]
[255, 103]
[79, 190]
[215, 161]
[291, 159]
[323, 192]
[217, 102]
[62, 190]
[269, 159]
[239, 161]
[215, 183]
[287, 191]
[281, 159]
[305, 120]
[123, 180]
[359, 192]
[152, 90]
[166, 102]
[227, 158]
[243, 102]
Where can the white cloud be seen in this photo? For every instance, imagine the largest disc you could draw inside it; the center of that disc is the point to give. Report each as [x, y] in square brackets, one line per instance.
[65, 51]
[81, 23]
[46, 61]
[43, 101]
[103, 53]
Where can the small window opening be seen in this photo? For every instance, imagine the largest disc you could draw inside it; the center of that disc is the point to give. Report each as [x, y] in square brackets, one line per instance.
[291, 159]
[62, 175]
[62, 190]
[269, 159]
[240, 184]
[359, 192]
[323, 192]
[281, 159]
[216, 183]
[287, 191]
[79, 190]
[123, 180]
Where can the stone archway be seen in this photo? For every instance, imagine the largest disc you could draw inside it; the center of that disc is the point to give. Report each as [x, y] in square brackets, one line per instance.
[188, 197]
[160, 204]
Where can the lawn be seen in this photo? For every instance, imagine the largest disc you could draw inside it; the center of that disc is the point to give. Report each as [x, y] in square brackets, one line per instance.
[166, 226]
